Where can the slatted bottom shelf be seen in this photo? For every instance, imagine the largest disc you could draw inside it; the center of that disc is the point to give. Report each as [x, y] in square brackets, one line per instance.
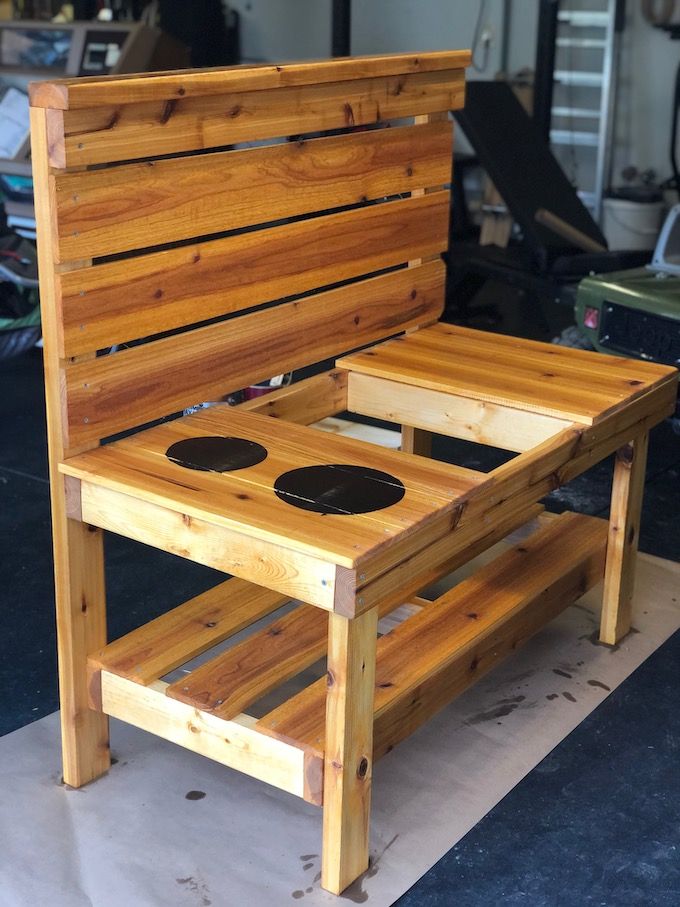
[422, 663]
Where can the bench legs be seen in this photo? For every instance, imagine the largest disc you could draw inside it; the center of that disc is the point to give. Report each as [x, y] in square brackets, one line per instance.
[624, 527]
[349, 748]
[81, 629]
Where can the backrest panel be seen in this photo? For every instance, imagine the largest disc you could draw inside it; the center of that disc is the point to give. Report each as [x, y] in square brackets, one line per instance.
[111, 132]
[136, 385]
[134, 206]
[150, 223]
[119, 301]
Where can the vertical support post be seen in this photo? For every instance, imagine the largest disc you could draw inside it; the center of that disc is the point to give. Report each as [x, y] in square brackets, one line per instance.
[78, 548]
[349, 748]
[624, 528]
[416, 441]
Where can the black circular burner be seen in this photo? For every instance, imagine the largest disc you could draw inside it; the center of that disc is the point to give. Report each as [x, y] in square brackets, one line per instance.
[339, 489]
[215, 454]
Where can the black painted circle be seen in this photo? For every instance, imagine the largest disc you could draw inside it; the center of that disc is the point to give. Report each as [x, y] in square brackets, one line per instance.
[339, 489]
[216, 454]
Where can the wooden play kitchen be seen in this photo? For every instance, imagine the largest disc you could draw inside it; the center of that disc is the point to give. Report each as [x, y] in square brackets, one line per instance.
[176, 266]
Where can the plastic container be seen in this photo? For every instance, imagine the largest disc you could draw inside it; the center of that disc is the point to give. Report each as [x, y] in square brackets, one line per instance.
[630, 224]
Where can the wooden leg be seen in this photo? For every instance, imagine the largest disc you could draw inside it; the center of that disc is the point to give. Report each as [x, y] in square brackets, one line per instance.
[416, 441]
[81, 629]
[349, 749]
[624, 527]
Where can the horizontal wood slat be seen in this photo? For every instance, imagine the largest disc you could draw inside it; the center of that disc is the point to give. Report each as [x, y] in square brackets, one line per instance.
[156, 648]
[447, 414]
[230, 682]
[511, 372]
[124, 132]
[123, 300]
[65, 94]
[431, 657]
[305, 402]
[111, 393]
[135, 206]
[236, 744]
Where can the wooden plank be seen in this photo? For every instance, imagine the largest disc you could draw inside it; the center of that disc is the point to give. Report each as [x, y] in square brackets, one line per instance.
[348, 694]
[117, 132]
[235, 744]
[134, 206]
[584, 361]
[80, 594]
[69, 94]
[243, 501]
[449, 414]
[618, 378]
[431, 657]
[402, 711]
[410, 363]
[292, 574]
[306, 401]
[133, 386]
[158, 647]
[229, 683]
[624, 530]
[526, 375]
[122, 300]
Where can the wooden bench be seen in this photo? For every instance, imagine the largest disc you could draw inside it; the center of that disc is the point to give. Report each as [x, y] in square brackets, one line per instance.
[177, 266]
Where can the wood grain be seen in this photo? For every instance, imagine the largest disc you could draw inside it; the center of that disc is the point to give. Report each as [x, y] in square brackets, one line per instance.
[124, 132]
[80, 593]
[232, 743]
[348, 694]
[449, 414]
[464, 633]
[69, 94]
[119, 301]
[231, 681]
[134, 386]
[624, 531]
[135, 206]
[161, 645]
[525, 374]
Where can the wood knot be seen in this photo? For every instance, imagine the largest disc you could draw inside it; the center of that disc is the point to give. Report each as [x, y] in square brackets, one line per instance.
[330, 679]
[167, 111]
[362, 769]
[158, 294]
[349, 114]
[235, 110]
[181, 91]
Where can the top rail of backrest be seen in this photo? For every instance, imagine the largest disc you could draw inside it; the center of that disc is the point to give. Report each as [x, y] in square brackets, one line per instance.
[120, 118]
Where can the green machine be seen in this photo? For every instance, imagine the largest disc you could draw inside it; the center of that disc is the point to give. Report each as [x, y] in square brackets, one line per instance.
[637, 312]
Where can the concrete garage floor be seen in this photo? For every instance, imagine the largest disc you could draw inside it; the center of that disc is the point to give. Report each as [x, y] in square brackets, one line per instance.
[608, 793]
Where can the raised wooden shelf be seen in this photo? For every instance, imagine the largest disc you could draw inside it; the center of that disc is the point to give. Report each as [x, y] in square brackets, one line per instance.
[421, 665]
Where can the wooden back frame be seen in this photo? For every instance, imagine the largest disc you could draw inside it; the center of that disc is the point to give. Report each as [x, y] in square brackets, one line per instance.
[157, 228]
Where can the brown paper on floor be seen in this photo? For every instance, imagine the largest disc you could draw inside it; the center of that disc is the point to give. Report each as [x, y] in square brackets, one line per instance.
[167, 827]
